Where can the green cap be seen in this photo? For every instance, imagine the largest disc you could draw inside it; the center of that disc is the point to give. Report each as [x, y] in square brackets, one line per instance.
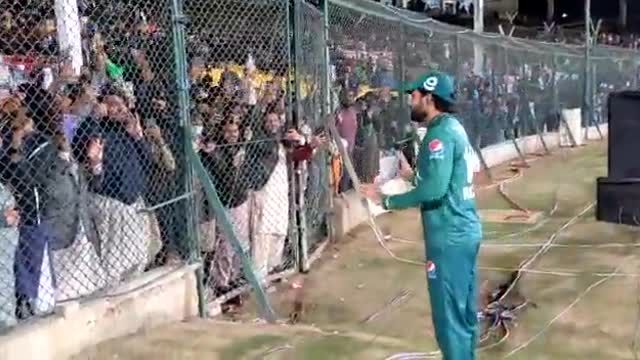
[435, 82]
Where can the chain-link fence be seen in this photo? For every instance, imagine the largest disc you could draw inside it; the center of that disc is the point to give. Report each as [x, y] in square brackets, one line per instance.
[91, 149]
[104, 104]
[508, 88]
[370, 117]
[314, 195]
[96, 181]
[239, 64]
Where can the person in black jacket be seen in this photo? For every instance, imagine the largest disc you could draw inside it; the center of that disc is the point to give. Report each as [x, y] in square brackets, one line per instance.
[51, 193]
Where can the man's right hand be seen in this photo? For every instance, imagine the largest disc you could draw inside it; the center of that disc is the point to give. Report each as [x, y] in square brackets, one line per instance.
[17, 136]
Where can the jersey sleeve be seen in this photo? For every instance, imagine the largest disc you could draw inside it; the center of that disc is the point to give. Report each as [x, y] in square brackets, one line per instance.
[433, 175]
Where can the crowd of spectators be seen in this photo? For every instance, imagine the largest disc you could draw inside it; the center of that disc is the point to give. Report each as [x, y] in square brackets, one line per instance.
[92, 160]
[503, 101]
[629, 41]
[577, 37]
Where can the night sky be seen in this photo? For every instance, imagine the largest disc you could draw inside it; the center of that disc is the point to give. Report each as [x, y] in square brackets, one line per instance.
[575, 8]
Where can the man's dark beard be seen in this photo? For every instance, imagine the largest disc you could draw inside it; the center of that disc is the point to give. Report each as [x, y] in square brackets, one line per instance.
[418, 116]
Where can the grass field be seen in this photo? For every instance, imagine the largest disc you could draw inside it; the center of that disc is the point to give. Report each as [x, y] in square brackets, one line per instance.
[356, 278]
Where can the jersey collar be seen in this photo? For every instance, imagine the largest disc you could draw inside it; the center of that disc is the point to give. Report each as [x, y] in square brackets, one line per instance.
[437, 120]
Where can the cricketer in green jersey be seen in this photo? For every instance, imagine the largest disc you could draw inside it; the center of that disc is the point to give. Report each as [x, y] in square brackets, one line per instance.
[443, 190]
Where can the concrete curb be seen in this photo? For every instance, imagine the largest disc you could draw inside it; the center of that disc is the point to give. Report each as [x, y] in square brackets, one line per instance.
[161, 296]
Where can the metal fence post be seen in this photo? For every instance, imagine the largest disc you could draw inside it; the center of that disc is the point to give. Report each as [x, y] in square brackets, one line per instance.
[184, 116]
[295, 30]
[593, 91]
[554, 85]
[586, 110]
[587, 100]
[290, 86]
[326, 103]
[227, 229]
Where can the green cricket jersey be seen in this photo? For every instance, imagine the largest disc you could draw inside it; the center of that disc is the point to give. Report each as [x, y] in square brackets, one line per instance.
[443, 183]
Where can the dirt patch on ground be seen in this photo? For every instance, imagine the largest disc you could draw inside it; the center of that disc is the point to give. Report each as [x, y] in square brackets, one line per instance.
[369, 305]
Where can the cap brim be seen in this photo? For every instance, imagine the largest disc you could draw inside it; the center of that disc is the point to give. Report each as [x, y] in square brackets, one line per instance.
[408, 88]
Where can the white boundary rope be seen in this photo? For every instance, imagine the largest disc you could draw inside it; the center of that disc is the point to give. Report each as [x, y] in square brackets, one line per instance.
[564, 246]
[564, 273]
[567, 309]
[543, 250]
[535, 245]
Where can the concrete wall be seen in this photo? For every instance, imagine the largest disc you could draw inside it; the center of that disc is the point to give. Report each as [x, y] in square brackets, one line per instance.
[159, 297]
[350, 211]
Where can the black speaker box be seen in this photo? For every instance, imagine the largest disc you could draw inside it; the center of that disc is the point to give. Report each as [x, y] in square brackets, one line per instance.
[618, 195]
[624, 135]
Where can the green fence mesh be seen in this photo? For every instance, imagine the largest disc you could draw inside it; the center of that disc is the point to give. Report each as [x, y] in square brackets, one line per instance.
[100, 110]
[313, 176]
[238, 53]
[508, 88]
[92, 149]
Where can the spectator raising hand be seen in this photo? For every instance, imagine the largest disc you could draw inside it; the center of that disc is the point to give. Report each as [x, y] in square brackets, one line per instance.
[11, 217]
[294, 136]
[153, 133]
[319, 140]
[134, 127]
[207, 147]
[95, 153]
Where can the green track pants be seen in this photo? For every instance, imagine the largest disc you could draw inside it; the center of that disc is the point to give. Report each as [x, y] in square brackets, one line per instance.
[452, 282]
